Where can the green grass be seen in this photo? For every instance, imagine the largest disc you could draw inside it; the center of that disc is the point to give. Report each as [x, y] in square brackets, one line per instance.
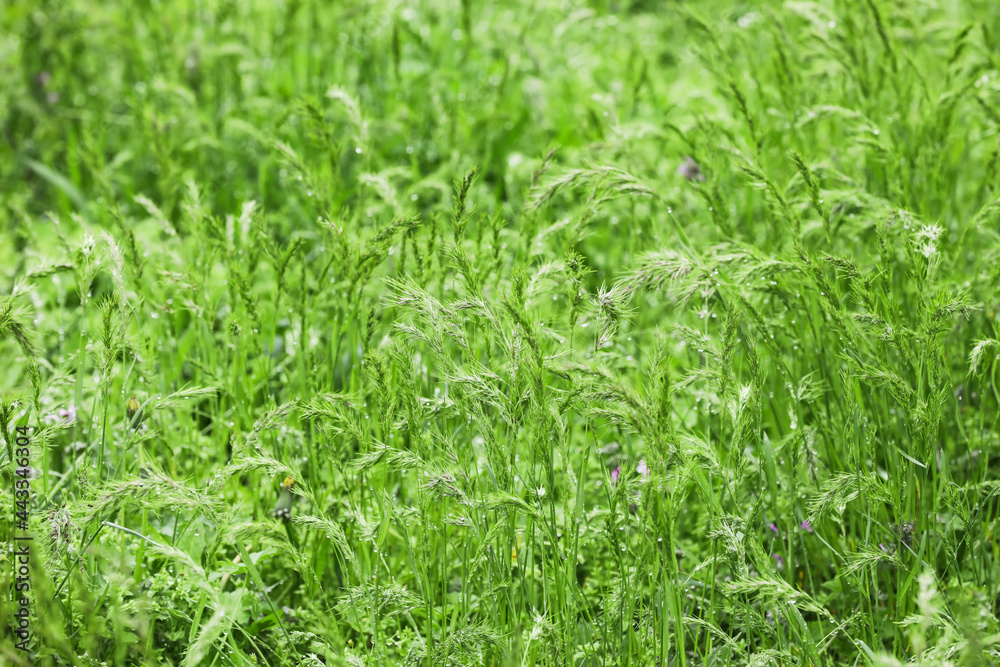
[606, 333]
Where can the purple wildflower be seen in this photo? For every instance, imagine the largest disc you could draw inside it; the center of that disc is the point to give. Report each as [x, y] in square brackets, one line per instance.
[690, 170]
[806, 526]
[44, 78]
[779, 562]
[65, 415]
[642, 469]
[615, 473]
[774, 528]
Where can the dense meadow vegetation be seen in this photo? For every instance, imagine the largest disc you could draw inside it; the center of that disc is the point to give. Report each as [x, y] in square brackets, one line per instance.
[450, 332]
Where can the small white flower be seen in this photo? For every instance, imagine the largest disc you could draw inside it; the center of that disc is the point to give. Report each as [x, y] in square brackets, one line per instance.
[929, 232]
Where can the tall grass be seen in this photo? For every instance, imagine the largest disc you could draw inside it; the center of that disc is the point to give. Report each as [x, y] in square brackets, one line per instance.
[503, 334]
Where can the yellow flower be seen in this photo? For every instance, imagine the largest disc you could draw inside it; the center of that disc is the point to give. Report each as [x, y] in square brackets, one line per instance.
[132, 408]
[284, 508]
[513, 552]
